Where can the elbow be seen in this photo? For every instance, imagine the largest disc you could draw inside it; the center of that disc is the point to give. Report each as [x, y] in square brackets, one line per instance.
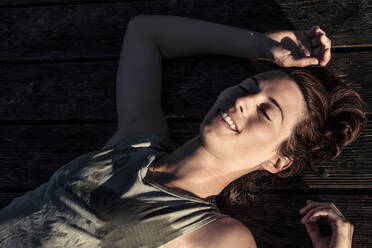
[137, 23]
[136, 18]
[145, 20]
[139, 19]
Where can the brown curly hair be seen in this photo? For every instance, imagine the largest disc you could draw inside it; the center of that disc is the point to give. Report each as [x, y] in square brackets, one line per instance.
[336, 116]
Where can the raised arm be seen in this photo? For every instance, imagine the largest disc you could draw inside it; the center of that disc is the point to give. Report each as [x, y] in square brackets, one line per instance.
[149, 38]
[138, 87]
[178, 36]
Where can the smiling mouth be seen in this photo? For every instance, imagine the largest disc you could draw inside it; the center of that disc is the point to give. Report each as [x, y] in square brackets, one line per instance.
[224, 122]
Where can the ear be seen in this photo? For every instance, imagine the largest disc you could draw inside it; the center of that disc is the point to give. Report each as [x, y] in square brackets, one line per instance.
[276, 164]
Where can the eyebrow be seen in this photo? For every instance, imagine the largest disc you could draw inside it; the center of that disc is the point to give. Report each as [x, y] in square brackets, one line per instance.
[278, 106]
[272, 100]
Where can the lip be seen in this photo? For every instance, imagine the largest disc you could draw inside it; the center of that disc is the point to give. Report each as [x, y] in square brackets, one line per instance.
[220, 118]
[222, 122]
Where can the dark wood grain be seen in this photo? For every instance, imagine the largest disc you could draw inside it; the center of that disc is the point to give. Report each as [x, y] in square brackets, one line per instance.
[38, 3]
[274, 220]
[91, 31]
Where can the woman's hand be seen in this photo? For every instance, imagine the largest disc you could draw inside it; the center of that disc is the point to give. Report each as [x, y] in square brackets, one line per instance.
[300, 48]
[342, 230]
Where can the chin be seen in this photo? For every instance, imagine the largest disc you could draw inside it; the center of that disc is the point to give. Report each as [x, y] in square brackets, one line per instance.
[206, 126]
[210, 136]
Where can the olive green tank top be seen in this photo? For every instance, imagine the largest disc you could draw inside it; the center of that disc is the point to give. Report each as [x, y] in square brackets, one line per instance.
[101, 199]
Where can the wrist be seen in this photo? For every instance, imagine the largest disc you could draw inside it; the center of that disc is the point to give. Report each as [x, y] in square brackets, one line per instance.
[267, 47]
[343, 235]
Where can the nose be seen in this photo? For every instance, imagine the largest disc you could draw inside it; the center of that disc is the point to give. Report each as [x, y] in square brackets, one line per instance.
[246, 105]
[241, 106]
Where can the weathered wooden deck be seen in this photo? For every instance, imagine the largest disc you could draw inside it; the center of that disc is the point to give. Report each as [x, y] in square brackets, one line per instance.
[59, 58]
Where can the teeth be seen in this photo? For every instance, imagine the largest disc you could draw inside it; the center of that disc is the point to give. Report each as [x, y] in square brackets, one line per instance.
[228, 120]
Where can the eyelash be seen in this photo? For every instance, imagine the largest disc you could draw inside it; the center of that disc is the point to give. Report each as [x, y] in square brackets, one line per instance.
[264, 113]
[258, 107]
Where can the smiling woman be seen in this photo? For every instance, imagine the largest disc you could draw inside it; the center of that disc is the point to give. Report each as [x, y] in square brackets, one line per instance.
[258, 120]
[135, 193]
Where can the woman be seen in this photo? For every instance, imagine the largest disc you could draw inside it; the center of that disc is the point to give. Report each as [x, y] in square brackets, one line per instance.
[134, 193]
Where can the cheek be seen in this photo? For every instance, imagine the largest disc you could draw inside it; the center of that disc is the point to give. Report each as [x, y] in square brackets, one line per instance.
[262, 135]
[260, 129]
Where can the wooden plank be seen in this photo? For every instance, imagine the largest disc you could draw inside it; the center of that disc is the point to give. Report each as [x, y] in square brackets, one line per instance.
[31, 154]
[96, 30]
[37, 92]
[39, 3]
[275, 222]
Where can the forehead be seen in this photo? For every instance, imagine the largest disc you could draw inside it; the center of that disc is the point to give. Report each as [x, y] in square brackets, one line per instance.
[287, 93]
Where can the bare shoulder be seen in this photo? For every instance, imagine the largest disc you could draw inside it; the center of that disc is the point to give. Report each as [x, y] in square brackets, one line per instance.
[228, 232]
[235, 234]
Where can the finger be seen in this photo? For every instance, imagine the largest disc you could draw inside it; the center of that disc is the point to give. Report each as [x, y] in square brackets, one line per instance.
[337, 211]
[310, 205]
[318, 31]
[302, 62]
[325, 41]
[326, 53]
[326, 57]
[306, 52]
[315, 30]
[312, 211]
[314, 232]
[325, 212]
[304, 49]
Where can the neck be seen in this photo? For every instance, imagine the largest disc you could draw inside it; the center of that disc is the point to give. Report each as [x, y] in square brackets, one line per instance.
[193, 170]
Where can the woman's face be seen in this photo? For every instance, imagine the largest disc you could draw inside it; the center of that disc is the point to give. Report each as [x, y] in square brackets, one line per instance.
[264, 113]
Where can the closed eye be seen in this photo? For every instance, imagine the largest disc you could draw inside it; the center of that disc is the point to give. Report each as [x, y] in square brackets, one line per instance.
[259, 107]
[263, 111]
